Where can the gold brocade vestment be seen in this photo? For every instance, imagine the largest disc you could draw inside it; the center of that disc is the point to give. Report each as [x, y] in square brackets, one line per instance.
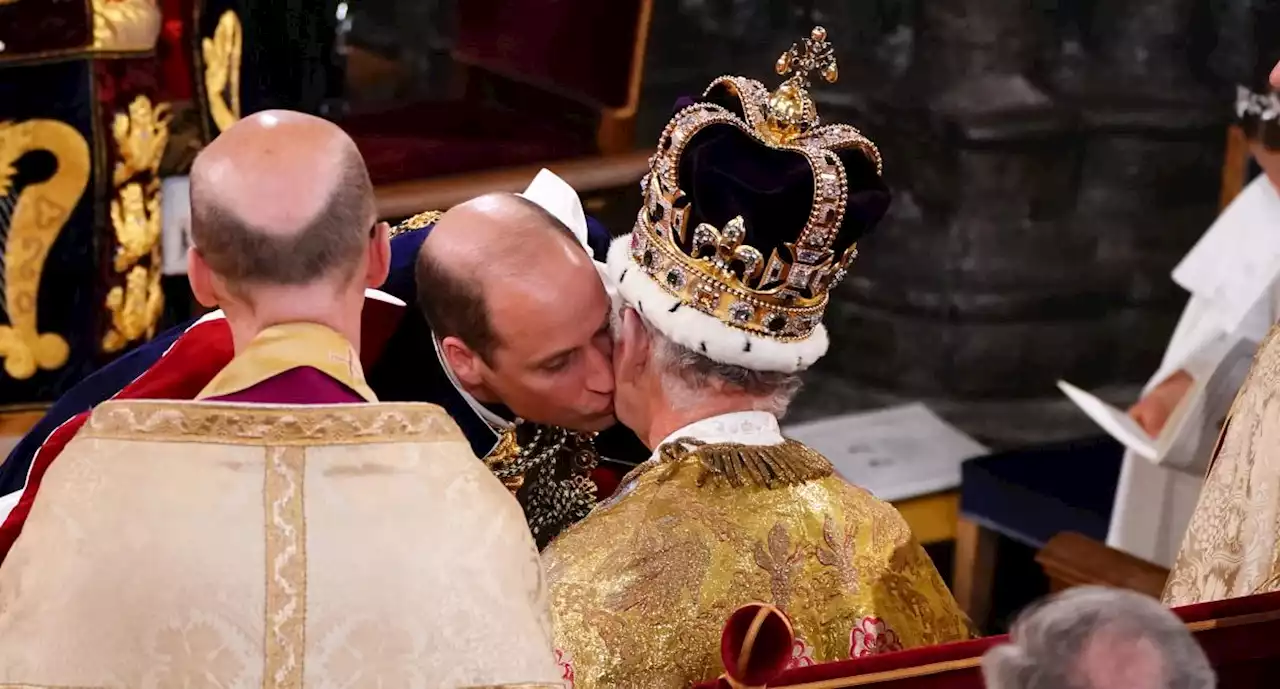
[1232, 545]
[642, 587]
[255, 545]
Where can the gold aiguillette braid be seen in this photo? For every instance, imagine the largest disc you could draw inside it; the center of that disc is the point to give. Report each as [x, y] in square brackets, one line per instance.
[788, 463]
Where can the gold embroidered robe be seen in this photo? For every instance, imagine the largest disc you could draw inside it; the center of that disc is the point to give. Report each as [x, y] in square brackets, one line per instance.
[1232, 545]
[218, 544]
[642, 587]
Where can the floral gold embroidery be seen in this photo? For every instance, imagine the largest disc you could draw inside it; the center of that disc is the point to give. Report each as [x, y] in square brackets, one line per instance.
[1231, 544]
[801, 654]
[871, 637]
[781, 561]
[641, 588]
[564, 661]
[838, 552]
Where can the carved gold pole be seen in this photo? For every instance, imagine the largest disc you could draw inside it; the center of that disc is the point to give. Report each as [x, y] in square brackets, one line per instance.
[141, 135]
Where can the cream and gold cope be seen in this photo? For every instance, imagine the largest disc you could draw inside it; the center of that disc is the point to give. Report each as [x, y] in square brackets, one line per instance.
[1232, 545]
[196, 544]
[641, 589]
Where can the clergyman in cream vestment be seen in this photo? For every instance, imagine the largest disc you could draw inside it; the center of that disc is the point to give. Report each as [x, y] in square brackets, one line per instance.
[182, 544]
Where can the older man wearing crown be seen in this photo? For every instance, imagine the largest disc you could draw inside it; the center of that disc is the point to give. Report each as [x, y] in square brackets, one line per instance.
[750, 218]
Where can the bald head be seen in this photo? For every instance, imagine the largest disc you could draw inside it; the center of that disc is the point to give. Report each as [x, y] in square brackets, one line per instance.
[281, 198]
[495, 241]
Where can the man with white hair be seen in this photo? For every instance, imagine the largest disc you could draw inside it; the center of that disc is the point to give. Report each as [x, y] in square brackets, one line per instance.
[1098, 638]
[710, 337]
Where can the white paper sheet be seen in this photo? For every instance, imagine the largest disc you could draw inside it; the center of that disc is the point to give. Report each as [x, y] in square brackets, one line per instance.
[1238, 259]
[896, 453]
[1116, 423]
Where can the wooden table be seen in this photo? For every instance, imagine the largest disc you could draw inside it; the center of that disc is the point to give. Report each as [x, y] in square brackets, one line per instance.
[932, 517]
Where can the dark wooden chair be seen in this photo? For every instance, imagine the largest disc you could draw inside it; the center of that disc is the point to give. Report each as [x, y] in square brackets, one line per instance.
[541, 83]
[1029, 495]
[1073, 559]
[1236, 163]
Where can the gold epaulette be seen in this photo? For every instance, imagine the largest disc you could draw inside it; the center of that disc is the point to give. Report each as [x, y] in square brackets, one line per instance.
[788, 463]
[417, 222]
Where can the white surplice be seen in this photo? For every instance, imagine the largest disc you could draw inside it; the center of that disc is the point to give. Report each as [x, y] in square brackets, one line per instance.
[1233, 275]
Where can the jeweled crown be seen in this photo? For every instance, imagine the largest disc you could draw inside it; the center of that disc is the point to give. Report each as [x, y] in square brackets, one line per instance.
[752, 207]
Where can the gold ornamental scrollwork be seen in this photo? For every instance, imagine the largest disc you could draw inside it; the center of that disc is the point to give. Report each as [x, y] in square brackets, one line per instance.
[125, 26]
[135, 306]
[39, 214]
[222, 53]
[141, 134]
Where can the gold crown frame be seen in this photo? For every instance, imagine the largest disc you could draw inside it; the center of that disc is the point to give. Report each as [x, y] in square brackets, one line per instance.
[784, 297]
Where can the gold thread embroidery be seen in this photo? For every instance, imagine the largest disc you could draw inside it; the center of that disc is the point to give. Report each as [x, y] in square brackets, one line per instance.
[223, 423]
[37, 686]
[548, 470]
[125, 25]
[518, 686]
[141, 134]
[417, 222]
[782, 561]
[1230, 545]
[286, 567]
[222, 55]
[42, 210]
[642, 587]
[788, 463]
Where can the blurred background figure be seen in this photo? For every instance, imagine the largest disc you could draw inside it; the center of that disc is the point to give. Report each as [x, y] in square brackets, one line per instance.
[1098, 638]
[1233, 277]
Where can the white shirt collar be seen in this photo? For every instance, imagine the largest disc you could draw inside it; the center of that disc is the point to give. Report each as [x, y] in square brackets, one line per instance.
[744, 427]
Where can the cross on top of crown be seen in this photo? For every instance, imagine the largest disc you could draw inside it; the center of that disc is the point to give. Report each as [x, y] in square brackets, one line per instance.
[808, 55]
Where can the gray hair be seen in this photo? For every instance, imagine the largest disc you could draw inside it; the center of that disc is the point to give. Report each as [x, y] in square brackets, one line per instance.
[1098, 638]
[687, 376]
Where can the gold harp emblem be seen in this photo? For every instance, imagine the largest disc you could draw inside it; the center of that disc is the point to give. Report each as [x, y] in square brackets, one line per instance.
[222, 55]
[39, 213]
[141, 135]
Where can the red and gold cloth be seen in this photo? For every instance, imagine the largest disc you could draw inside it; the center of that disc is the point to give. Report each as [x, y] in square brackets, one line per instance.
[1238, 636]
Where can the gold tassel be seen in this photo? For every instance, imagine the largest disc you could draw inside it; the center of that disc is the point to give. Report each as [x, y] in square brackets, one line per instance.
[788, 463]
